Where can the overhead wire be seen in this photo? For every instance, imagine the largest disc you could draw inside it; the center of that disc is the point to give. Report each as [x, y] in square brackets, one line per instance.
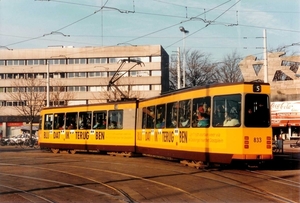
[157, 31]
[206, 24]
[62, 27]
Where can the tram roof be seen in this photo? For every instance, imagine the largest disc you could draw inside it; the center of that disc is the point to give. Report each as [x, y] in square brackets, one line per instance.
[134, 100]
[182, 90]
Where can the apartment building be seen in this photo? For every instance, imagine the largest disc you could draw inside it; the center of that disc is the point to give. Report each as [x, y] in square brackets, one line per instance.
[81, 75]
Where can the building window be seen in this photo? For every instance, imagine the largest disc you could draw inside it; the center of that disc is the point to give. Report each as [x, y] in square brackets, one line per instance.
[156, 87]
[133, 73]
[9, 62]
[97, 89]
[81, 75]
[115, 60]
[155, 59]
[56, 61]
[58, 89]
[77, 75]
[71, 75]
[143, 59]
[9, 89]
[139, 73]
[111, 73]
[36, 89]
[2, 62]
[156, 73]
[41, 62]
[29, 62]
[140, 87]
[39, 75]
[123, 73]
[97, 74]
[35, 62]
[77, 61]
[97, 60]
[59, 75]
[77, 89]
[9, 76]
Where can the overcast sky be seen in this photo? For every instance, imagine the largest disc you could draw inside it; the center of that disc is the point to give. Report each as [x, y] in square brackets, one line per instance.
[216, 27]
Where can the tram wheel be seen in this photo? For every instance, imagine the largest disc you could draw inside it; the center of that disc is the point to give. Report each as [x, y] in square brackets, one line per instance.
[55, 151]
[72, 151]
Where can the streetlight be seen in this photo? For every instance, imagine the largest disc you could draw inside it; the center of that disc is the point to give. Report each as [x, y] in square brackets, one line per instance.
[48, 77]
[48, 84]
[184, 31]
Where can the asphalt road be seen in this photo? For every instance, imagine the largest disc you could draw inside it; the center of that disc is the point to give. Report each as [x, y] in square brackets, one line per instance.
[30, 175]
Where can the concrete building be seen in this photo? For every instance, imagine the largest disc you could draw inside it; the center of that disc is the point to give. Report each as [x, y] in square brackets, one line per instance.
[286, 68]
[81, 75]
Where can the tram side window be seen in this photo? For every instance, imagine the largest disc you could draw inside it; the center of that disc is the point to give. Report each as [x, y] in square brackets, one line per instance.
[144, 118]
[172, 115]
[85, 120]
[71, 122]
[227, 110]
[160, 116]
[59, 121]
[148, 117]
[184, 113]
[48, 121]
[99, 120]
[257, 110]
[201, 112]
[115, 119]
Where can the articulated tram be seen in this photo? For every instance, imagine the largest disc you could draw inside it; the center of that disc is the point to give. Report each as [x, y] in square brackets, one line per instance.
[213, 124]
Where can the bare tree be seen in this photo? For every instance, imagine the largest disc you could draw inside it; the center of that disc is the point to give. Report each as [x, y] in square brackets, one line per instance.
[29, 97]
[228, 71]
[123, 91]
[59, 94]
[199, 70]
[173, 76]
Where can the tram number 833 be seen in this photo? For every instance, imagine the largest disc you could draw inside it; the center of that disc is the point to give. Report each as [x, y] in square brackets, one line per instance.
[257, 139]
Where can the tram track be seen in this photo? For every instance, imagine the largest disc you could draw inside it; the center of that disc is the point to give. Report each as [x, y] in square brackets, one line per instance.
[106, 184]
[244, 182]
[119, 175]
[26, 194]
[122, 197]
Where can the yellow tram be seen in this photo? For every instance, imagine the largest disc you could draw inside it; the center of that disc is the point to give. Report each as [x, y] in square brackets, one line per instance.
[101, 127]
[212, 124]
[217, 123]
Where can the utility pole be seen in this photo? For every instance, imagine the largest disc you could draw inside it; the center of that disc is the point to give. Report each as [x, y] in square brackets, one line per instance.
[265, 57]
[178, 68]
[48, 84]
[184, 31]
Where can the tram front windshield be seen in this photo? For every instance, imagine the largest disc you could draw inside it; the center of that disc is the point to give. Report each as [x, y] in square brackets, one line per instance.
[257, 110]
